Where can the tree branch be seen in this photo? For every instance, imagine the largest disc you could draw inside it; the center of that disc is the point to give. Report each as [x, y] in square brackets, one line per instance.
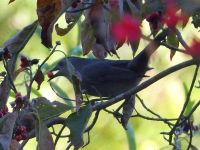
[145, 84]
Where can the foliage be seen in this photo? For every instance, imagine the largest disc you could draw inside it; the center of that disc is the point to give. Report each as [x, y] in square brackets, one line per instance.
[104, 26]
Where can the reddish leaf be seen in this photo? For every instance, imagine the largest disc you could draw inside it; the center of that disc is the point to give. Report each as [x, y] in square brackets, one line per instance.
[99, 51]
[45, 138]
[87, 36]
[100, 25]
[39, 78]
[47, 11]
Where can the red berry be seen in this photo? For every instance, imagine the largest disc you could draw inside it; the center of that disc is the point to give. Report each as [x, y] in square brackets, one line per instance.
[74, 4]
[24, 62]
[24, 136]
[7, 54]
[50, 74]
[18, 94]
[5, 110]
[19, 100]
[22, 129]
[18, 137]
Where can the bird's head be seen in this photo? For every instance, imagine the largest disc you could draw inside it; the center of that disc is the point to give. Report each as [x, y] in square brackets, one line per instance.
[61, 69]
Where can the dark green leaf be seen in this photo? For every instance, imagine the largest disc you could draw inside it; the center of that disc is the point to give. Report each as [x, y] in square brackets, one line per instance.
[47, 109]
[77, 122]
[45, 140]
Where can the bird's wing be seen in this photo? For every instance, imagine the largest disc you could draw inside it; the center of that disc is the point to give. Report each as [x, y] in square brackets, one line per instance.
[100, 72]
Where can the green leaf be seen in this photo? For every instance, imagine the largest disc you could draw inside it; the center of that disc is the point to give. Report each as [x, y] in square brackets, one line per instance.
[62, 93]
[172, 40]
[47, 109]
[131, 137]
[36, 92]
[77, 122]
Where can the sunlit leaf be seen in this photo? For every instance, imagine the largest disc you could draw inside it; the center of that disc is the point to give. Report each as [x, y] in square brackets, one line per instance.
[47, 109]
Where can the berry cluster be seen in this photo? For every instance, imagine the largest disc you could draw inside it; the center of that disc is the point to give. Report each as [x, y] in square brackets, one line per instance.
[20, 133]
[3, 111]
[7, 54]
[19, 100]
[25, 62]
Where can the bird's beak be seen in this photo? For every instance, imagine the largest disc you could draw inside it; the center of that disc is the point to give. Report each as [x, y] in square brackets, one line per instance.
[54, 75]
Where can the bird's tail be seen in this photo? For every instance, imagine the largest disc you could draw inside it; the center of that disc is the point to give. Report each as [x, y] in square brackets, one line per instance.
[140, 62]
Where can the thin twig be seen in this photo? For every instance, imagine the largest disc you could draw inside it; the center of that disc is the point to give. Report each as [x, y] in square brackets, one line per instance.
[190, 140]
[93, 122]
[39, 68]
[9, 77]
[59, 134]
[185, 105]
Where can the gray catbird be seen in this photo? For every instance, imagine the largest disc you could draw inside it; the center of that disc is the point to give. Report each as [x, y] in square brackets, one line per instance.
[108, 78]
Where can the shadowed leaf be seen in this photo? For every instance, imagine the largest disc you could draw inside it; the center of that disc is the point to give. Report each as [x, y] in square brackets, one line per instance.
[77, 122]
[45, 138]
[6, 130]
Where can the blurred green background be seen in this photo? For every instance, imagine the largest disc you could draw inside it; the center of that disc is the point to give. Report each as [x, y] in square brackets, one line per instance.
[165, 97]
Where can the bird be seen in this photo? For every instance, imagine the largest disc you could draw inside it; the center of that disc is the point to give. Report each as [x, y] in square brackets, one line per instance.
[109, 78]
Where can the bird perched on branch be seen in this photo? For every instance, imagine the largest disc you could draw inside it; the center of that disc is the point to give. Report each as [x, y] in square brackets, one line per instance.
[108, 78]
